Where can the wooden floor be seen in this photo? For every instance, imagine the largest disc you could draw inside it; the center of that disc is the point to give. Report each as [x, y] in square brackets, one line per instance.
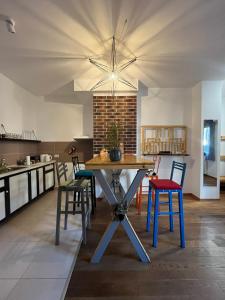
[197, 272]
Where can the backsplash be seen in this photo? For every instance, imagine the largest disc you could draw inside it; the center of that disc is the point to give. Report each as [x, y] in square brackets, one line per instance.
[13, 151]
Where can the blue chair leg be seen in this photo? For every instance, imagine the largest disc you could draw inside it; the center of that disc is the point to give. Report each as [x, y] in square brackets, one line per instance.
[181, 219]
[171, 210]
[149, 209]
[155, 225]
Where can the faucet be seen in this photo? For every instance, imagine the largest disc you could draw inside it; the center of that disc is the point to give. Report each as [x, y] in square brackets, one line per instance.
[2, 163]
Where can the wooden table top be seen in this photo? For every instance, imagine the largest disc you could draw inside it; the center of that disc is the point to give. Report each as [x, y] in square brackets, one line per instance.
[126, 162]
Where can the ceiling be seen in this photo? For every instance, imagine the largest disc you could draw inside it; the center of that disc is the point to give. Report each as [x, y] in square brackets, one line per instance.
[177, 42]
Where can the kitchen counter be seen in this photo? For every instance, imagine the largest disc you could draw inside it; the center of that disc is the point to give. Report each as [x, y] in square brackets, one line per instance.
[23, 185]
[22, 169]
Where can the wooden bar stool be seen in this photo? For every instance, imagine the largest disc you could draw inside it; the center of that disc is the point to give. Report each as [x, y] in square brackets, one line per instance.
[167, 186]
[85, 174]
[151, 174]
[71, 186]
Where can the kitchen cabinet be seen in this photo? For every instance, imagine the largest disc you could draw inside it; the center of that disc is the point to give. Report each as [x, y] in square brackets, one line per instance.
[34, 193]
[19, 187]
[2, 200]
[19, 193]
[40, 172]
[49, 177]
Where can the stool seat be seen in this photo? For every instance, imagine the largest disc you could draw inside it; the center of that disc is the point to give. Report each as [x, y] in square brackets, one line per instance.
[87, 174]
[84, 173]
[164, 184]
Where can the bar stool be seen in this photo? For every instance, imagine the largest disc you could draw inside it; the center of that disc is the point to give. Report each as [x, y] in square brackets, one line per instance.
[85, 174]
[151, 174]
[71, 186]
[167, 186]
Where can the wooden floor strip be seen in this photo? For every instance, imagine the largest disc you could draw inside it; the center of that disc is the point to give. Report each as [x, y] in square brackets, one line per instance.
[197, 272]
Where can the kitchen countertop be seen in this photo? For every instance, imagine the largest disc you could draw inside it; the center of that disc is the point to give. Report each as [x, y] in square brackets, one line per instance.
[25, 168]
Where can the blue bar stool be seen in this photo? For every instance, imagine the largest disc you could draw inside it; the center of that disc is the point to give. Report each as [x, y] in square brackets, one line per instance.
[85, 174]
[167, 186]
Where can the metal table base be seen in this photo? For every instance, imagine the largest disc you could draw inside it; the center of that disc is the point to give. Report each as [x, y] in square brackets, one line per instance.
[120, 203]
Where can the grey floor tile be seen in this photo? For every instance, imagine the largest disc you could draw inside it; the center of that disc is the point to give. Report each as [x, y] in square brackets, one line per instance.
[37, 289]
[31, 266]
[48, 270]
[6, 286]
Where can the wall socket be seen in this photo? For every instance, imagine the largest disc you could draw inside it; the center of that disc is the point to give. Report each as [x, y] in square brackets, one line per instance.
[56, 155]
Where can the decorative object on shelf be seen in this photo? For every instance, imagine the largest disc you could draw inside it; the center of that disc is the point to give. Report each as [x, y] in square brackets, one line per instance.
[113, 139]
[167, 140]
[103, 153]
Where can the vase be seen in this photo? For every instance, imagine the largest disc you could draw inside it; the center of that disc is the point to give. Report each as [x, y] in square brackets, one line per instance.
[115, 154]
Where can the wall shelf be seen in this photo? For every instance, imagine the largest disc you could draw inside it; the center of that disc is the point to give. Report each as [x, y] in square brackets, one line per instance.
[170, 138]
[19, 140]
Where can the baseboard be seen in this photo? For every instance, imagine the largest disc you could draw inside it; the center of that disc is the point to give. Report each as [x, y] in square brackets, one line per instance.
[191, 196]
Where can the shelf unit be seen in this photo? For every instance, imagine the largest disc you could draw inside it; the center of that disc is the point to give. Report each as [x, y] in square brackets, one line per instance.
[170, 138]
[19, 140]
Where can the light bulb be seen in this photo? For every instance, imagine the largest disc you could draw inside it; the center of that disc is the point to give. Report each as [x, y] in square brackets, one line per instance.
[113, 76]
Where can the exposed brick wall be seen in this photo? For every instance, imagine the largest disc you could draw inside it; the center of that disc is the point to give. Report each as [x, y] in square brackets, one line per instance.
[120, 109]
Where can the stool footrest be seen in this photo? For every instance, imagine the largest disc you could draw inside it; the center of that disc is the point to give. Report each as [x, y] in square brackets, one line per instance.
[167, 213]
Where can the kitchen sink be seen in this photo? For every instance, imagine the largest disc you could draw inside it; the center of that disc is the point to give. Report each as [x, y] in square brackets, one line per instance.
[14, 168]
[9, 169]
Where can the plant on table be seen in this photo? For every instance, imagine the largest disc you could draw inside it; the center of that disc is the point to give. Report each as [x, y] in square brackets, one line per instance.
[113, 141]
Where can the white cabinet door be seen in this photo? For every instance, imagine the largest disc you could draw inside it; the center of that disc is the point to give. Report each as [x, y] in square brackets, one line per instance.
[18, 186]
[2, 201]
[49, 180]
[41, 180]
[33, 184]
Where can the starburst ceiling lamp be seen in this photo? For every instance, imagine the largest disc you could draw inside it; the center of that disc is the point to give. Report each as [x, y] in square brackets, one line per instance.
[113, 70]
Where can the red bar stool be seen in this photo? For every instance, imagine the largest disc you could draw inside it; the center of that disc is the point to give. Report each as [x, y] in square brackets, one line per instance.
[167, 186]
[151, 175]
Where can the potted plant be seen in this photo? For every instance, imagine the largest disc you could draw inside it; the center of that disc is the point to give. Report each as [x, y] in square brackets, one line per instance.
[113, 138]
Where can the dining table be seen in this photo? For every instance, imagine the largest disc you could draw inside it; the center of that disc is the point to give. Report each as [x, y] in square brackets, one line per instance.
[118, 198]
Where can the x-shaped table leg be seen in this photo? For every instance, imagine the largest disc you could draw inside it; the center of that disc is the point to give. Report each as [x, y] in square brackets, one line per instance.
[120, 217]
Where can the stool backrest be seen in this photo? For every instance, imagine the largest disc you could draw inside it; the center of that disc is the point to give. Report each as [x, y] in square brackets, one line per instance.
[76, 164]
[179, 167]
[61, 172]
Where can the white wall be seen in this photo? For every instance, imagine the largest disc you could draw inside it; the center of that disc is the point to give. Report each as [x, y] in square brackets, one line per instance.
[211, 110]
[59, 121]
[18, 107]
[196, 149]
[169, 106]
[222, 144]
[164, 106]
[21, 110]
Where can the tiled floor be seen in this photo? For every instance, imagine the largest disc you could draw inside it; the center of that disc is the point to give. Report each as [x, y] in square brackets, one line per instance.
[31, 266]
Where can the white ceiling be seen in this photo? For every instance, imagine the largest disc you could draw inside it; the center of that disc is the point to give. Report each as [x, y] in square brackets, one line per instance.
[177, 42]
